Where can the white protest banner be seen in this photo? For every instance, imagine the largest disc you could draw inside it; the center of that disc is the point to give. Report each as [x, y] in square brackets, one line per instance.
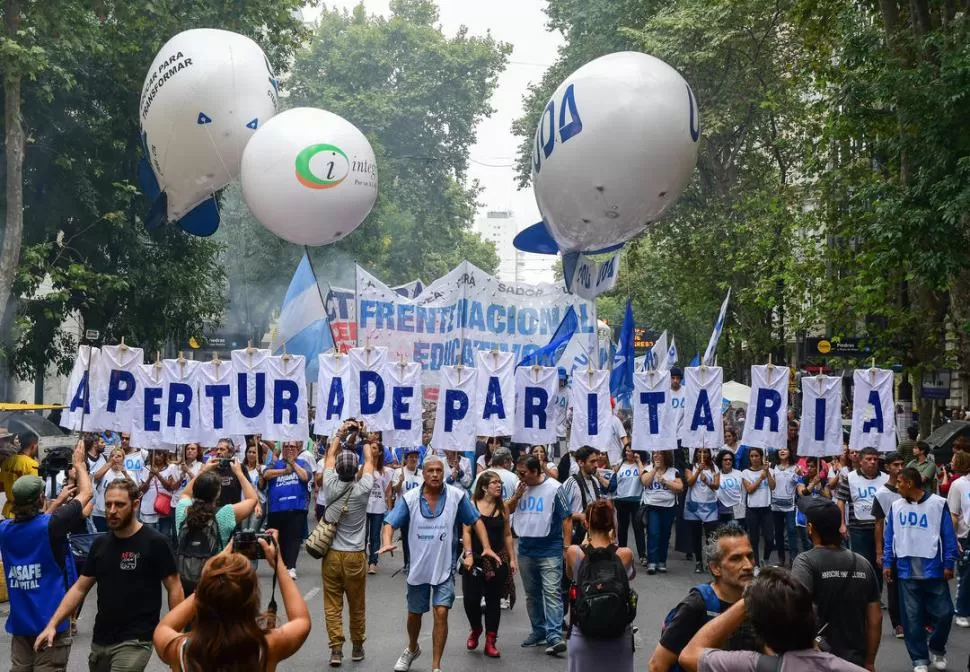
[334, 392]
[148, 411]
[180, 418]
[404, 390]
[112, 399]
[592, 278]
[463, 312]
[249, 391]
[216, 382]
[78, 401]
[820, 433]
[873, 419]
[370, 403]
[589, 395]
[495, 397]
[287, 398]
[456, 420]
[654, 418]
[767, 423]
[703, 427]
[341, 305]
[535, 404]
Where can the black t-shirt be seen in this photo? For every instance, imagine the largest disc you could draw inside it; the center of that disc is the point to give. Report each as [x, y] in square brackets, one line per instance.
[691, 616]
[129, 574]
[231, 492]
[65, 519]
[840, 601]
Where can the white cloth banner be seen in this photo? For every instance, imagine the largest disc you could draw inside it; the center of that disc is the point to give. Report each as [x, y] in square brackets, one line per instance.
[703, 426]
[286, 398]
[370, 404]
[495, 398]
[148, 412]
[536, 388]
[767, 421]
[820, 433]
[77, 403]
[456, 421]
[592, 278]
[112, 401]
[404, 395]
[589, 395]
[334, 392]
[249, 391]
[216, 383]
[180, 415]
[654, 417]
[873, 419]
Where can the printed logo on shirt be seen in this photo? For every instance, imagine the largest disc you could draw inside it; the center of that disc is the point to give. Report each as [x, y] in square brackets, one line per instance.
[913, 519]
[129, 560]
[24, 577]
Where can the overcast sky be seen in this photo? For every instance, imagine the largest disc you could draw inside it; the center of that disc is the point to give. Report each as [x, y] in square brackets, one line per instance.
[522, 23]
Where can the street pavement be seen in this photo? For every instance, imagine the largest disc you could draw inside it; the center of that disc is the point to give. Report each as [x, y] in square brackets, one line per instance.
[386, 636]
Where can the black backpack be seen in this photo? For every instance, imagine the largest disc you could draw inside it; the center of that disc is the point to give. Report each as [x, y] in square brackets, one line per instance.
[196, 546]
[602, 602]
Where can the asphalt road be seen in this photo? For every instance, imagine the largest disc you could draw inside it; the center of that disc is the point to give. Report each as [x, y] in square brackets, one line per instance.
[386, 636]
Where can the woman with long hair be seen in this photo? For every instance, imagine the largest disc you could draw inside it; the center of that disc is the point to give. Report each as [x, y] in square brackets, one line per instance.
[158, 477]
[253, 468]
[732, 440]
[224, 615]
[786, 476]
[481, 576]
[758, 483]
[730, 491]
[549, 469]
[614, 654]
[116, 470]
[700, 508]
[379, 502]
[485, 459]
[629, 493]
[189, 467]
[661, 483]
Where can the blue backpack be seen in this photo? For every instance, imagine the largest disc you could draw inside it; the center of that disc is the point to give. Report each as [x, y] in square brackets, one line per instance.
[712, 605]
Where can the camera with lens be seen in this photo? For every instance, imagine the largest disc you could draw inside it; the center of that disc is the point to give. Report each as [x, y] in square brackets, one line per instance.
[225, 464]
[246, 542]
[56, 460]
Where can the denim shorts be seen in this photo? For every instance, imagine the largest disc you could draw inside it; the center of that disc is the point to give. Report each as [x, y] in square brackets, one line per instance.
[421, 597]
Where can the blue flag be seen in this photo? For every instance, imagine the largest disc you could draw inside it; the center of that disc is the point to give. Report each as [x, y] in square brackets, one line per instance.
[716, 334]
[303, 327]
[694, 363]
[549, 354]
[621, 378]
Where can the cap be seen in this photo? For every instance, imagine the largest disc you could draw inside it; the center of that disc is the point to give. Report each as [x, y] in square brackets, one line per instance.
[412, 450]
[27, 489]
[676, 371]
[821, 512]
[346, 465]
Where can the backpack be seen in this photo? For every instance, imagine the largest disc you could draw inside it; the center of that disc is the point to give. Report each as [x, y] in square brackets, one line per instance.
[196, 546]
[602, 602]
[712, 607]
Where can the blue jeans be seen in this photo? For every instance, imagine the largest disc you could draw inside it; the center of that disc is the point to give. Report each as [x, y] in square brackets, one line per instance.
[541, 578]
[863, 542]
[166, 525]
[784, 525]
[375, 521]
[963, 583]
[660, 520]
[919, 599]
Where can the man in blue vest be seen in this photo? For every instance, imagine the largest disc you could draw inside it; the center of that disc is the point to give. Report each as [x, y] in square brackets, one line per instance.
[921, 543]
[38, 566]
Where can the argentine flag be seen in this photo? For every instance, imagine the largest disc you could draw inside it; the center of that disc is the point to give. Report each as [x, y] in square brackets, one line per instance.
[303, 327]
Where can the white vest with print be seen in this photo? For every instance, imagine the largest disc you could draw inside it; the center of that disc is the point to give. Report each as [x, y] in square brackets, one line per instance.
[916, 527]
[533, 515]
[431, 539]
[862, 491]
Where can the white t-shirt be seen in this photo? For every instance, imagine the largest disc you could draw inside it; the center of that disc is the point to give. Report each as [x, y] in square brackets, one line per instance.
[102, 485]
[760, 497]
[656, 494]
[614, 449]
[958, 500]
[783, 496]
[147, 514]
[377, 501]
[193, 470]
[321, 495]
[135, 462]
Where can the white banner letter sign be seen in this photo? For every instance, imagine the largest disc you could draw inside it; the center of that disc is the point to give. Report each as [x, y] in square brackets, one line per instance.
[456, 421]
[767, 425]
[249, 369]
[703, 427]
[654, 418]
[404, 380]
[590, 398]
[495, 403]
[180, 419]
[286, 416]
[217, 400]
[150, 407]
[78, 401]
[334, 392]
[113, 406]
[820, 433]
[371, 404]
[872, 410]
[535, 404]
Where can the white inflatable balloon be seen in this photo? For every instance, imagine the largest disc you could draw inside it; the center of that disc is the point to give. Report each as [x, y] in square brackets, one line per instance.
[206, 94]
[309, 176]
[615, 147]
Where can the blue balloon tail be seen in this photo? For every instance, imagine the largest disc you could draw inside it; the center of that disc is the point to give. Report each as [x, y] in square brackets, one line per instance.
[202, 220]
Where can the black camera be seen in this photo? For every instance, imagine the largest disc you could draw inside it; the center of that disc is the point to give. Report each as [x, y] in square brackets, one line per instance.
[225, 464]
[56, 460]
[246, 542]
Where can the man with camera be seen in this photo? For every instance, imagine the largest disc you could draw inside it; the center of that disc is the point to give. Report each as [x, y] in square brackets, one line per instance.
[345, 565]
[22, 463]
[35, 559]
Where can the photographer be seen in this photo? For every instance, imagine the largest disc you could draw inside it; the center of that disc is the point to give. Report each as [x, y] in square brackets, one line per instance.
[286, 494]
[231, 487]
[34, 549]
[224, 617]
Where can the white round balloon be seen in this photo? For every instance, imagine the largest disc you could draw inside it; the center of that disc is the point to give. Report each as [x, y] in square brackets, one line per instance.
[206, 94]
[615, 147]
[309, 176]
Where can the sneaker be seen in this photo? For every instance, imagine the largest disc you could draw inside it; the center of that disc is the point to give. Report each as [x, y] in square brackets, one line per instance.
[643, 561]
[938, 661]
[898, 631]
[292, 573]
[358, 653]
[504, 603]
[962, 621]
[651, 569]
[372, 570]
[921, 668]
[336, 657]
[698, 568]
[556, 649]
[403, 663]
[662, 568]
[533, 641]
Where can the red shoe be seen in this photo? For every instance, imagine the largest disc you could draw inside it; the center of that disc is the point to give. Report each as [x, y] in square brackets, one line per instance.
[490, 649]
[472, 642]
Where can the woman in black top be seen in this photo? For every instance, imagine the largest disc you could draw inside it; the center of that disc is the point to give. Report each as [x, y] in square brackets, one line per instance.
[480, 576]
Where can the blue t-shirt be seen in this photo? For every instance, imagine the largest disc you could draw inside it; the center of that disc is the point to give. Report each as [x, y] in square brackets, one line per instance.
[287, 492]
[551, 545]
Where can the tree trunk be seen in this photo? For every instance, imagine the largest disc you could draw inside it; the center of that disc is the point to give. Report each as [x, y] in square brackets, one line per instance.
[14, 134]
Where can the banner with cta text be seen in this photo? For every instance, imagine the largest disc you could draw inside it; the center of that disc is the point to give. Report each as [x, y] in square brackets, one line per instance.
[463, 312]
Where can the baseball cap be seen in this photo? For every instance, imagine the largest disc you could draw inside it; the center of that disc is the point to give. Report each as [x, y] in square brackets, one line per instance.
[346, 465]
[821, 512]
[676, 371]
[412, 449]
[27, 489]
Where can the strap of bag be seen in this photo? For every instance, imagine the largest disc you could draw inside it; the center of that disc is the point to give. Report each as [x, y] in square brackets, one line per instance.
[346, 503]
[769, 663]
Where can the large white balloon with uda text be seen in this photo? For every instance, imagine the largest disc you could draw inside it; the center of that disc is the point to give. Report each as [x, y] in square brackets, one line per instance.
[206, 94]
[309, 176]
[615, 147]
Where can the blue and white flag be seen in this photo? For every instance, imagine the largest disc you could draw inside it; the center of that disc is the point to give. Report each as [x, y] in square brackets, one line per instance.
[671, 353]
[549, 354]
[716, 334]
[657, 354]
[303, 327]
[696, 361]
[621, 379]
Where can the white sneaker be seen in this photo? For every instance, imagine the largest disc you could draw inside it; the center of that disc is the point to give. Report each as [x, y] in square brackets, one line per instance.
[939, 662]
[292, 573]
[921, 668]
[504, 603]
[962, 621]
[403, 663]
